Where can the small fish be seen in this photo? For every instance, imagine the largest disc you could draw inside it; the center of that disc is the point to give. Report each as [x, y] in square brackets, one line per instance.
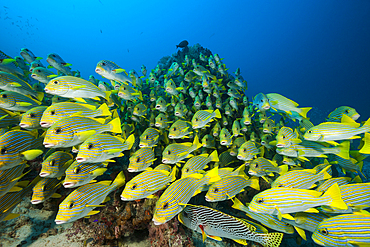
[75, 87]
[17, 102]
[281, 103]
[147, 183]
[343, 230]
[215, 224]
[261, 102]
[170, 72]
[82, 201]
[336, 115]
[31, 118]
[141, 159]
[176, 152]
[58, 111]
[161, 104]
[247, 151]
[225, 137]
[200, 71]
[59, 64]
[140, 110]
[180, 110]
[37, 64]
[287, 137]
[42, 74]
[182, 44]
[198, 163]
[236, 128]
[9, 179]
[236, 145]
[9, 82]
[143, 70]
[71, 131]
[216, 129]
[8, 64]
[45, 189]
[113, 72]
[79, 174]
[263, 167]
[28, 55]
[101, 147]
[179, 129]
[161, 121]
[208, 141]
[128, 93]
[202, 118]
[149, 138]
[55, 165]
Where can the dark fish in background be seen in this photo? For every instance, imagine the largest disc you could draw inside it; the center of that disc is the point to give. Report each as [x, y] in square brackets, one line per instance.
[182, 44]
[101, 31]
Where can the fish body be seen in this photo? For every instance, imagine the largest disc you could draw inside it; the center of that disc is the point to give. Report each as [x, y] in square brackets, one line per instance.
[9, 179]
[161, 121]
[8, 118]
[247, 151]
[55, 165]
[149, 138]
[45, 189]
[225, 137]
[215, 224]
[14, 101]
[172, 70]
[140, 110]
[84, 199]
[28, 55]
[179, 129]
[71, 131]
[59, 64]
[329, 182]
[198, 163]
[7, 64]
[112, 71]
[31, 118]
[78, 174]
[208, 141]
[147, 183]
[261, 167]
[343, 230]
[182, 44]
[286, 137]
[336, 115]
[58, 111]
[141, 159]
[200, 71]
[74, 87]
[9, 82]
[284, 104]
[42, 74]
[161, 104]
[202, 117]
[261, 102]
[180, 110]
[101, 147]
[176, 152]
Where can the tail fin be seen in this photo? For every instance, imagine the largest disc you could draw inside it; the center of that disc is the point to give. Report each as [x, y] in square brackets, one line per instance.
[254, 183]
[116, 126]
[173, 173]
[40, 96]
[119, 181]
[213, 156]
[197, 143]
[273, 239]
[283, 169]
[324, 174]
[334, 193]
[344, 150]
[104, 110]
[107, 95]
[140, 96]
[212, 175]
[218, 114]
[130, 141]
[366, 147]
[304, 111]
[31, 154]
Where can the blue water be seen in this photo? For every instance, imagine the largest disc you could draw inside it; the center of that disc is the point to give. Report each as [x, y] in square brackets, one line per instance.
[314, 52]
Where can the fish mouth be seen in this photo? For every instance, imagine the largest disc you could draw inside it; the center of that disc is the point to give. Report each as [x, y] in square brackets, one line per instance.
[68, 184]
[158, 222]
[157, 125]
[170, 136]
[97, 70]
[239, 157]
[208, 199]
[120, 95]
[44, 174]
[48, 145]
[45, 124]
[47, 90]
[58, 222]
[33, 76]
[142, 145]
[157, 107]
[266, 107]
[263, 143]
[232, 153]
[131, 170]
[152, 99]
[124, 198]
[23, 125]
[177, 114]
[355, 117]
[265, 131]
[166, 161]
[252, 173]
[80, 159]
[280, 145]
[223, 143]
[36, 201]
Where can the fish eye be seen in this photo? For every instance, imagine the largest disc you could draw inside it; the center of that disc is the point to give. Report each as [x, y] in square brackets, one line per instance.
[261, 100]
[124, 88]
[146, 137]
[38, 70]
[138, 159]
[52, 163]
[77, 170]
[4, 96]
[134, 187]
[174, 129]
[52, 55]
[347, 111]
[165, 206]
[280, 185]
[90, 146]
[32, 115]
[71, 205]
[215, 190]
[309, 132]
[196, 120]
[324, 231]
[3, 150]
[168, 152]
[260, 200]
[256, 166]
[225, 135]
[244, 150]
[26, 50]
[283, 137]
[52, 113]
[58, 130]
[103, 64]
[55, 82]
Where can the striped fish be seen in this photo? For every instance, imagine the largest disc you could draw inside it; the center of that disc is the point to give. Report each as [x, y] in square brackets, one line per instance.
[261, 167]
[8, 118]
[8, 64]
[16, 146]
[268, 126]
[10, 177]
[329, 182]
[356, 196]
[28, 55]
[61, 110]
[35, 64]
[247, 151]
[301, 179]
[281, 103]
[268, 220]
[225, 137]
[141, 159]
[305, 124]
[261, 102]
[102, 147]
[161, 121]
[55, 165]
[79, 174]
[129, 93]
[336, 115]
[147, 183]
[9, 82]
[149, 138]
[75, 87]
[198, 163]
[31, 118]
[82, 201]
[202, 117]
[176, 152]
[307, 221]
[236, 145]
[58, 63]
[286, 137]
[42, 74]
[349, 165]
[179, 193]
[112, 71]
[216, 225]
[283, 201]
[225, 159]
[343, 230]
[230, 186]
[161, 104]
[331, 131]
[10, 200]
[13, 101]
[179, 129]
[140, 110]
[74, 130]
[45, 189]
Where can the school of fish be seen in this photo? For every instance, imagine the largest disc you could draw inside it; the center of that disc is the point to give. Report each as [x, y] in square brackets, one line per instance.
[189, 130]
